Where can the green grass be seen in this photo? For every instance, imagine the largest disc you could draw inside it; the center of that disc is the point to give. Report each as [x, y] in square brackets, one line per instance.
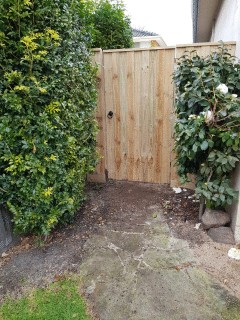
[60, 301]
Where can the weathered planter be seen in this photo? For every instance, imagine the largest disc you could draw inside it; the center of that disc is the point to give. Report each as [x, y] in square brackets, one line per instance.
[6, 236]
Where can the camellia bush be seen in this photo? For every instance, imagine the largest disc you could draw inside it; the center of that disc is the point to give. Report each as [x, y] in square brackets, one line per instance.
[47, 102]
[111, 26]
[207, 137]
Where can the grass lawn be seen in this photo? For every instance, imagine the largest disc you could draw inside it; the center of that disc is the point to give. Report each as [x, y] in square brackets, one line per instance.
[60, 301]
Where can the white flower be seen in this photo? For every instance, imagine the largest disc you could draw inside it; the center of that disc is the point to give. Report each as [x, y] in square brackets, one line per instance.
[208, 115]
[222, 88]
[234, 95]
[192, 116]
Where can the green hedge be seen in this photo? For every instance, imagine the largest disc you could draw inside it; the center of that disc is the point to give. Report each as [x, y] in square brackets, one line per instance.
[111, 26]
[207, 136]
[47, 100]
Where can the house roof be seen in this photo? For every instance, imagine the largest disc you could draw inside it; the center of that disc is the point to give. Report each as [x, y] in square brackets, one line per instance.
[204, 14]
[143, 33]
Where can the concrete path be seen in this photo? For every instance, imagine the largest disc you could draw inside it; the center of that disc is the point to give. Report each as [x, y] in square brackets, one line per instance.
[147, 274]
[131, 265]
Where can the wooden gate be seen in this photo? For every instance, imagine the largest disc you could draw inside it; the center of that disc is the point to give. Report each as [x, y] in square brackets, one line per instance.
[135, 112]
[138, 139]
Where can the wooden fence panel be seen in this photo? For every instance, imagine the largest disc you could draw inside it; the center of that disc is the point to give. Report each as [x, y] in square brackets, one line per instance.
[202, 49]
[136, 144]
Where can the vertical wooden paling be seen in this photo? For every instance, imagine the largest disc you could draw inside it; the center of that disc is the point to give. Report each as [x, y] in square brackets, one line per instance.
[131, 114]
[117, 134]
[158, 118]
[109, 106]
[136, 127]
[167, 87]
[123, 84]
[152, 88]
[143, 134]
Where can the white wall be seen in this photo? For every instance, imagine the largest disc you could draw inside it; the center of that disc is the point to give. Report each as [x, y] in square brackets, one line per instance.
[142, 44]
[227, 25]
[235, 208]
[227, 28]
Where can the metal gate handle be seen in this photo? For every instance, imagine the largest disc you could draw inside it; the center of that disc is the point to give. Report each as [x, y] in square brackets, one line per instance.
[110, 115]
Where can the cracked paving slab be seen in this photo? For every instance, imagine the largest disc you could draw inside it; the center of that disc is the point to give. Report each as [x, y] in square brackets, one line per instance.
[151, 275]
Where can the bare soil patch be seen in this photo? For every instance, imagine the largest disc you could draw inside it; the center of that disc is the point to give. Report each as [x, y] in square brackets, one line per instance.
[119, 205]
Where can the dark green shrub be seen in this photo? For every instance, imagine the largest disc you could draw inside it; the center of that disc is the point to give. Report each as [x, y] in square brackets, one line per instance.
[112, 29]
[47, 100]
[207, 137]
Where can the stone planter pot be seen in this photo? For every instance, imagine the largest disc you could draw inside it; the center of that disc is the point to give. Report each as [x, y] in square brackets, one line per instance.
[6, 236]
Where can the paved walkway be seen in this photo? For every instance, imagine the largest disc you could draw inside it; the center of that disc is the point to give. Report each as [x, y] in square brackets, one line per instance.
[131, 265]
[147, 274]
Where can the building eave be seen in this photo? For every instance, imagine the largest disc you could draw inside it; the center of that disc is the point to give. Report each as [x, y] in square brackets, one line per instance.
[158, 39]
[204, 14]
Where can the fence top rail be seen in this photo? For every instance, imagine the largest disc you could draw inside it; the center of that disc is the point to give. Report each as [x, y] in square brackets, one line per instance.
[96, 50]
[138, 49]
[201, 44]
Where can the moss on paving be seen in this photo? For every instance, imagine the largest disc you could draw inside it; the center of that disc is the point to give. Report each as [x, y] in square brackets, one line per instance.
[60, 300]
[231, 313]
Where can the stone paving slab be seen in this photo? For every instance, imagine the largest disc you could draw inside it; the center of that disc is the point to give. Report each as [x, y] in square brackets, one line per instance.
[151, 275]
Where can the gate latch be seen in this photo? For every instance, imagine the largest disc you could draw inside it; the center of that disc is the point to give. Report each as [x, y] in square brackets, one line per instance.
[110, 115]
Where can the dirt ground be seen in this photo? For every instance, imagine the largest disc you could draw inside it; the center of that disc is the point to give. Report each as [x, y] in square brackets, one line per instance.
[115, 204]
